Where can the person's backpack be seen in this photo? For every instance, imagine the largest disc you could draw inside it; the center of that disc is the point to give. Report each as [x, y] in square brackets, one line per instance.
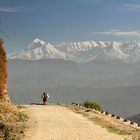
[48, 95]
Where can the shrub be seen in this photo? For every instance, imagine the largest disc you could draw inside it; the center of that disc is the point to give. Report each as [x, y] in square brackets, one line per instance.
[92, 104]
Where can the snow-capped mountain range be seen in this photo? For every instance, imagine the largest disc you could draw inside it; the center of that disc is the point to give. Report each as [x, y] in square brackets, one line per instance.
[81, 52]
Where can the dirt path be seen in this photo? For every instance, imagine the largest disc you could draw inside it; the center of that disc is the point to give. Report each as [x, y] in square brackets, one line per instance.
[52, 122]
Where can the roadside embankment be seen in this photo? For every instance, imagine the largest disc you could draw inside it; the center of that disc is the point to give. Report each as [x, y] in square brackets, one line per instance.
[112, 123]
[12, 122]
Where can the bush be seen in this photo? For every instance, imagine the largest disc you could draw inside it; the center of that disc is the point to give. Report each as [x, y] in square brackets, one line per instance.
[92, 104]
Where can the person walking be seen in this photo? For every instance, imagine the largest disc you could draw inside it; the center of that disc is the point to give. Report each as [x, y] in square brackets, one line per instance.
[45, 97]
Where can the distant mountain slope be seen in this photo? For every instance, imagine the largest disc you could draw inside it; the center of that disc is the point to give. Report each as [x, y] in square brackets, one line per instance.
[135, 118]
[39, 49]
[81, 52]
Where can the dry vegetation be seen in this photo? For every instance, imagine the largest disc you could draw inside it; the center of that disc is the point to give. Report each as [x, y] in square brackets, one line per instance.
[11, 119]
[3, 69]
[12, 122]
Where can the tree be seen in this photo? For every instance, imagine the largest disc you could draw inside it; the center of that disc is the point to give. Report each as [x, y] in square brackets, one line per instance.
[3, 71]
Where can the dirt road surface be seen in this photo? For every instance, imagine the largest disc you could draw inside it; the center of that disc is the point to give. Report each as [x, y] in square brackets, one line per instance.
[52, 122]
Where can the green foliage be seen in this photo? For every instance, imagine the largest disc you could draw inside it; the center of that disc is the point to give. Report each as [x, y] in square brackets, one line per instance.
[92, 104]
[117, 131]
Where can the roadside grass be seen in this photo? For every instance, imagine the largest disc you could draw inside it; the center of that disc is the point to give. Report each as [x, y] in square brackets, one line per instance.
[23, 117]
[116, 131]
[12, 122]
[98, 119]
[111, 129]
[20, 106]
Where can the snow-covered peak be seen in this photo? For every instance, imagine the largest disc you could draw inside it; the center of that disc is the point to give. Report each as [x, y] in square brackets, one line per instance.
[39, 41]
[81, 52]
[36, 40]
[39, 49]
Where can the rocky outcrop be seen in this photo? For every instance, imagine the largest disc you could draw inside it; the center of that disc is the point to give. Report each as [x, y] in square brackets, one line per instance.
[3, 72]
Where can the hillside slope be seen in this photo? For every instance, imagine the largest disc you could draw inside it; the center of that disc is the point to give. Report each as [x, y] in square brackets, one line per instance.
[12, 122]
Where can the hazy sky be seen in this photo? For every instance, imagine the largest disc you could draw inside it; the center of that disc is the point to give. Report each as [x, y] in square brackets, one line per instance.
[68, 20]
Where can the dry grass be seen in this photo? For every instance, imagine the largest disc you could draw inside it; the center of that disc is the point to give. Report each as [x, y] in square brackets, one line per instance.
[11, 119]
[11, 122]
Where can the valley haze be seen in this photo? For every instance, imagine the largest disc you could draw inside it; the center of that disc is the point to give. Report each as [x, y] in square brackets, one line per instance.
[106, 71]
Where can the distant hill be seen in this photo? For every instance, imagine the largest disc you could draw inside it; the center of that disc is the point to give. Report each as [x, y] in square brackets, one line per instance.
[135, 118]
[115, 86]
